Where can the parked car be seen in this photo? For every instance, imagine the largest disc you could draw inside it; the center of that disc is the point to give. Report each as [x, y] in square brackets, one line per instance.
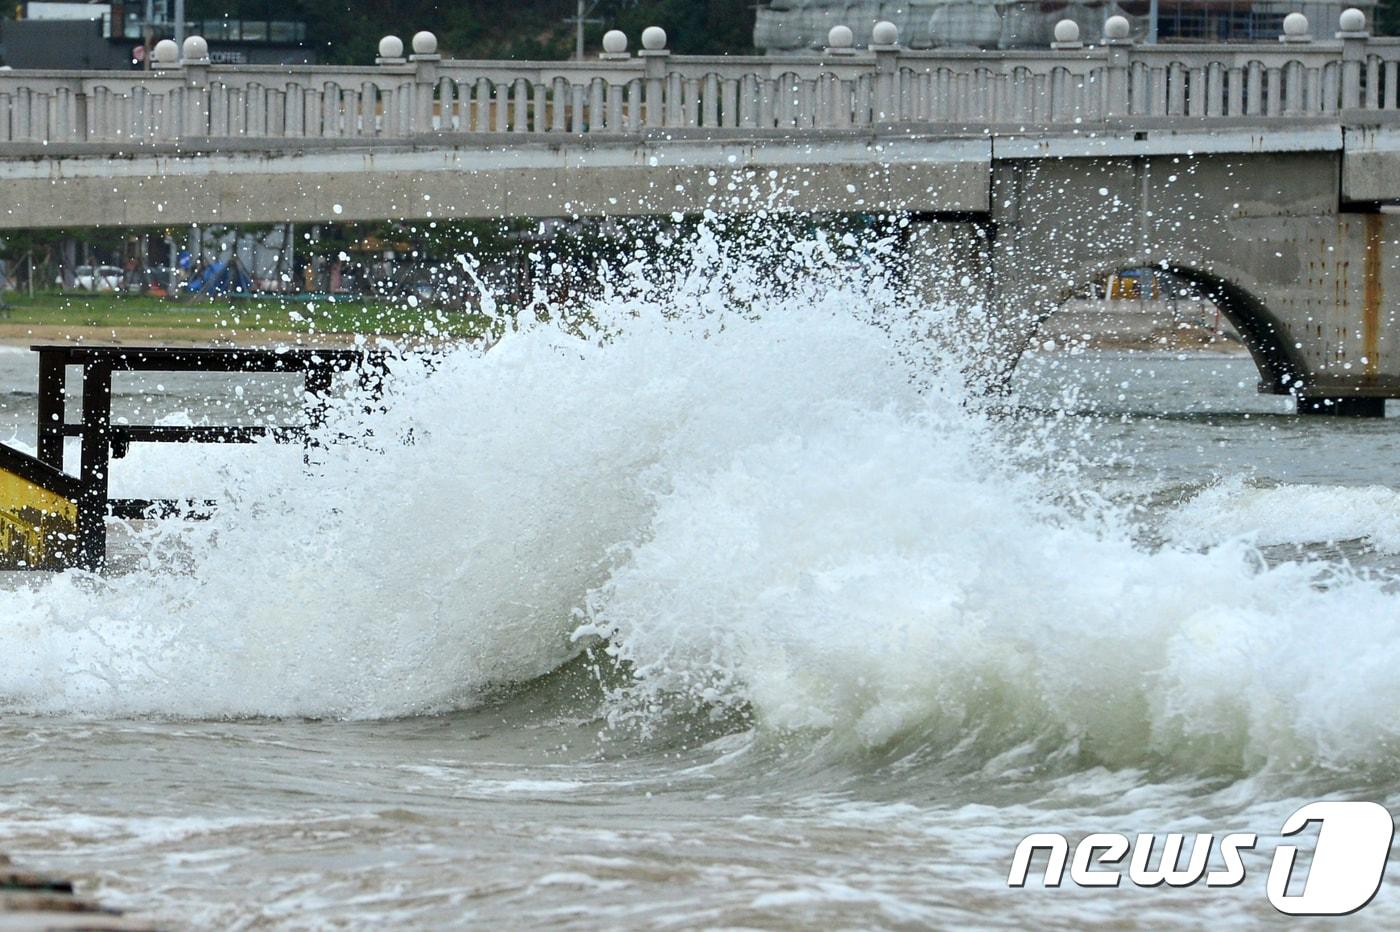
[95, 278]
[156, 281]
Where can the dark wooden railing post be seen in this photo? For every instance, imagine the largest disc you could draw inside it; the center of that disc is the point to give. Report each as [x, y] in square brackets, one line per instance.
[92, 503]
[52, 410]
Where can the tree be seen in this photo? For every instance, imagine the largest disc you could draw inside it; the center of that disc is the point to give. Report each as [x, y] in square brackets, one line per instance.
[343, 32]
[1387, 18]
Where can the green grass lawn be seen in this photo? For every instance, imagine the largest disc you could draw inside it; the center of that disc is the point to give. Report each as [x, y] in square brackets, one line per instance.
[247, 315]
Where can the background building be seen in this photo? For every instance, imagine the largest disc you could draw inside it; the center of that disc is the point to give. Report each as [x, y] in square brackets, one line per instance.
[119, 33]
[792, 25]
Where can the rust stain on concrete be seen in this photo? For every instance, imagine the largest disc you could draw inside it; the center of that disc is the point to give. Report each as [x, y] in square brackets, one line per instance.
[1371, 295]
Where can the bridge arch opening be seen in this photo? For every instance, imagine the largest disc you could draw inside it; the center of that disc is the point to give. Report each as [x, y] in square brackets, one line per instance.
[1130, 306]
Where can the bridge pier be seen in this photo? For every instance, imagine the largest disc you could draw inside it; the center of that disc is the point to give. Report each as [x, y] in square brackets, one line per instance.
[1309, 282]
[1341, 407]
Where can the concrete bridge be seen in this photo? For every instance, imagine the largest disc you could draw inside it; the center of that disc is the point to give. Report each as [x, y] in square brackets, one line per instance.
[1265, 172]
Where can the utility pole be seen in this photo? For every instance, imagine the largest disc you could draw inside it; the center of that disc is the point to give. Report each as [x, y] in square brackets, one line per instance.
[180, 26]
[148, 34]
[579, 20]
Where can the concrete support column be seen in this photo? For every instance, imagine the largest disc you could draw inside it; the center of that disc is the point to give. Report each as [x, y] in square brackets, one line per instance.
[1119, 44]
[425, 60]
[1354, 35]
[655, 61]
[884, 42]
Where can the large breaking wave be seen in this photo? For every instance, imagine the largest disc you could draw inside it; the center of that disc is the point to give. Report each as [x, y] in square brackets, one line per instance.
[771, 500]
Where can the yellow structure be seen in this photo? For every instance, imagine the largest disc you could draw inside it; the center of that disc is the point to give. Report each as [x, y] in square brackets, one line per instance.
[38, 528]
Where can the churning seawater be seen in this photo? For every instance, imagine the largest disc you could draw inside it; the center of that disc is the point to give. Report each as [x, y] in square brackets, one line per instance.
[739, 610]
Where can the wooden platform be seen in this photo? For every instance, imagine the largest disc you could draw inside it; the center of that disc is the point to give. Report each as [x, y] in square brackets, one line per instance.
[51, 520]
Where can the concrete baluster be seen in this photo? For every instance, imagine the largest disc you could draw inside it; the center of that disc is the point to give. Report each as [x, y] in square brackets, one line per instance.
[823, 101]
[843, 102]
[101, 103]
[1215, 89]
[447, 105]
[709, 107]
[257, 110]
[766, 90]
[276, 112]
[1196, 94]
[729, 103]
[362, 104]
[613, 102]
[938, 97]
[330, 112]
[597, 104]
[1175, 90]
[1018, 84]
[482, 105]
[558, 105]
[748, 101]
[634, 105]
[1254, 88]
[579, 123]
[1293, 88]
[315, 113]
[127, 127]
[501, 109]
[922, 83]
[861, 108]
[1274, 103]
[520, 105]
[1329, 95]
[296, 110]
[238, 111]
[1234, 91]
[1059, 94]
[675, 99]
[691, 116]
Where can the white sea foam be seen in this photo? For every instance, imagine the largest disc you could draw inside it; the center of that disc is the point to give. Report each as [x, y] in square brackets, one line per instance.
[1288, 514]
[780, 509]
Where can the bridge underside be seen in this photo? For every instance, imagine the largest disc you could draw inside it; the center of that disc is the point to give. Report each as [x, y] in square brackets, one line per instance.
[322, 181]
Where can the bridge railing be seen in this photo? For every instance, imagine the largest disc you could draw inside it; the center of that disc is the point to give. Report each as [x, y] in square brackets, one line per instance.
[885, 87]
